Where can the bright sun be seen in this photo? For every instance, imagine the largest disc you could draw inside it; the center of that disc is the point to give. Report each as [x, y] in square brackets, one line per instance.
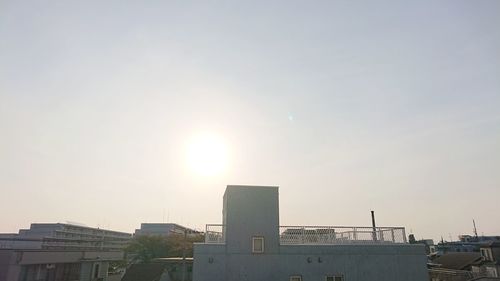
[207, 155]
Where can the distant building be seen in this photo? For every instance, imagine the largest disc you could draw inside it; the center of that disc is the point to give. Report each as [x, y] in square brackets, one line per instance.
[55, 265]
[7, 240]
[163, 229]
[465, 266]
[466, 243]
[60, 252]
[62, 236]
[428, 243]
[251, 245]
[458, 261]
[443, 248]
[491, 256]
[480, 239]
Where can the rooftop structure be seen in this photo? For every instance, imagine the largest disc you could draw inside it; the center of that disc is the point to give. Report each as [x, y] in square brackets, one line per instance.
[251, 245]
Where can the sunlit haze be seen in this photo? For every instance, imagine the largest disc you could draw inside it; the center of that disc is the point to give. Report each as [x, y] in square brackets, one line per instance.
[207, 155]
[114, 113]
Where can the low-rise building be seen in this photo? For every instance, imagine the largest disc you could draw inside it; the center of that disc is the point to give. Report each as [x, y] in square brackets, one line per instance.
[465, 243]
[430, 249]
[55, 265]
[250, 245]
[60, 252]
[464, 266]
[491, 257]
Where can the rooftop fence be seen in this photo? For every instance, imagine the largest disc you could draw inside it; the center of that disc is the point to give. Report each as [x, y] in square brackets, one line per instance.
[322, 235]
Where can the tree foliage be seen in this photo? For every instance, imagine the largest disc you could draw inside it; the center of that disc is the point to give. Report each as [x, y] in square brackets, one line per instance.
[144, 248]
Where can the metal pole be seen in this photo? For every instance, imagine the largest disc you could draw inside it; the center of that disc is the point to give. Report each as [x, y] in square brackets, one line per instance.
[374, 227]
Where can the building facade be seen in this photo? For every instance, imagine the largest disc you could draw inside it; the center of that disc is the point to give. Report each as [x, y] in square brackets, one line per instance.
[163, 229]
[63, 236]
[250, 245]
[60, 252]
[55, 265]
[490, 267]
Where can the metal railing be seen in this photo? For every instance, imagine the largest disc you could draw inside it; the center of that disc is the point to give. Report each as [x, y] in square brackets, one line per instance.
[214, 234]
[322, 235]
[328, 235]
[62, 243]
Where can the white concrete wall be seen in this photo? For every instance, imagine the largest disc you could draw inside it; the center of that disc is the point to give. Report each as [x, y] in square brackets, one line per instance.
[248, 212]
[355, 262]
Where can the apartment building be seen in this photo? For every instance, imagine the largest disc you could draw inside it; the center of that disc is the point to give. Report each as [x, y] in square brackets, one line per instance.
[60, 252]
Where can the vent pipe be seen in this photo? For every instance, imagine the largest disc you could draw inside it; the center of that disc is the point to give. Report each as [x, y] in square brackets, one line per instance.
[374, 227]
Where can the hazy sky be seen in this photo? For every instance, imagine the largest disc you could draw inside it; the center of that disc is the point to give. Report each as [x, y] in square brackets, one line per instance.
[386, 105]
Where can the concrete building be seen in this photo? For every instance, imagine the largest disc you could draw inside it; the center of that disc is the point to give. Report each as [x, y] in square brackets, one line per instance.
[466, 266]
[454, 266]
[466, 243]
[163, 229]
[63, 236]
[60, 252]
[250, 245]
[55, 265]
[490, 267]
[430, 248]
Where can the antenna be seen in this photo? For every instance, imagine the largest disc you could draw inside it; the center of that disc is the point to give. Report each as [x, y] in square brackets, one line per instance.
[475, 229]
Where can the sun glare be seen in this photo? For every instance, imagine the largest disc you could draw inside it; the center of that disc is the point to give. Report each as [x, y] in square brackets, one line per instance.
[207, 155]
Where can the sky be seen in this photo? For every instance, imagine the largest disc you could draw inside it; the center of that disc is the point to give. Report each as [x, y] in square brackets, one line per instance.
[347, 106]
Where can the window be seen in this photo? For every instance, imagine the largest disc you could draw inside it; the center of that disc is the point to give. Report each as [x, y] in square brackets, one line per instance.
[96, 270]
[487, 254]
[257, 244]
[483, 253]
[491, 272]
[296, 278]
[335, 278]
[490, 255]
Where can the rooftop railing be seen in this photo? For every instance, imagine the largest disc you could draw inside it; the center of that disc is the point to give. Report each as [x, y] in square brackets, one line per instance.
[323, 235]
[331, 235]
[214, 234]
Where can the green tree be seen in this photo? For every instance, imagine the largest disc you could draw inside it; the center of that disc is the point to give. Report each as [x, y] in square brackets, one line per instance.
[145, 248]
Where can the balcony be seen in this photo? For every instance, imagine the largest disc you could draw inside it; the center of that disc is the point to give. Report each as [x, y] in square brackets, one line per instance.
[323, 235]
